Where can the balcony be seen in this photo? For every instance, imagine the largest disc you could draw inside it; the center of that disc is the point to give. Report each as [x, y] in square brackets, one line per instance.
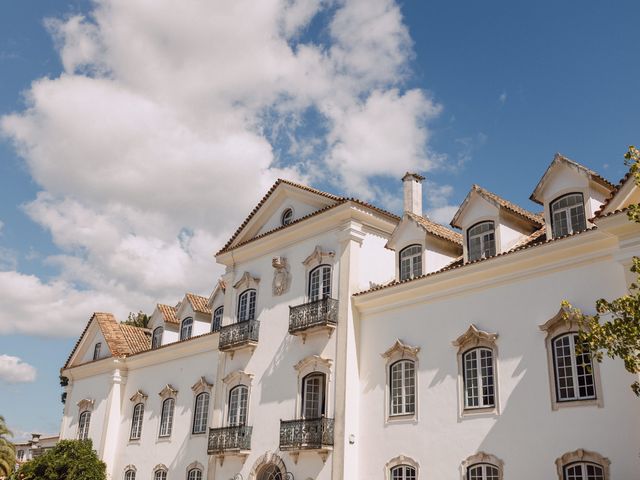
[229, 441]
[239, 335]
[320, 315]
[300, 435]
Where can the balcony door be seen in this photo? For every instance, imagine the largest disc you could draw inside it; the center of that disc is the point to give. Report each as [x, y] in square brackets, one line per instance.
[320, 283]
[313, 396]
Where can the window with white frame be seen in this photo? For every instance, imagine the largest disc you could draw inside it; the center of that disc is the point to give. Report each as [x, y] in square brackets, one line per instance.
[247, 305]
[130, 474]
[483, 471]
[136, 421]
[166, 417]
[583, 465]
[186, 328]
[481, 241]
[156, 339]
[402, 386]
[96, 350]
[83, 425]
[194, 474]
[320, 283]
[583, 471]
[313, 395]
[410, 262]
[216, 323]
[238, 400]
[200, 410]
[478, 378]
[403, 472]
[573, 369]
[160, 475]
[568, 215]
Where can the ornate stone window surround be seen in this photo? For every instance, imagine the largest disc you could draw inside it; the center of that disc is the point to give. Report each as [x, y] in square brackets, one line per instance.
[400, 460]
[85, 405]
[246, 282]
[167, 392]
[201, 386]
[320, 257]
[194, 466]
[232, 380]
[471, 339]
[582, 455]
[138, 397]
[161, 467]
[563, 322]
[306, 366]
[481, 458]
[400, 351]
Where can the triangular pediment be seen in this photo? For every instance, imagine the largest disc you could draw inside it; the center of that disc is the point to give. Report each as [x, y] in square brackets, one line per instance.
[267, 215]
[102, 328]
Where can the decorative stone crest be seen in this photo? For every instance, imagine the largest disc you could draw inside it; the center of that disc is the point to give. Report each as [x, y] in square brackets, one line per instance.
[318, 257]
[474, 337]
[281, 276]
[138, 397]
[401, 350]
[85, 404]
[201, 386]
[168, 391]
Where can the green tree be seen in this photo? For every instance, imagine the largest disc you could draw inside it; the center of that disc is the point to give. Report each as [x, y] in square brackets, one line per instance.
[139, 319]
[68, 460]
[615, 328]
[7, 450]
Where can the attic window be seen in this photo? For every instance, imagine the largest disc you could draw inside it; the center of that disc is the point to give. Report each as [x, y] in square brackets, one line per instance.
[481, 241]
[96, 351]
[287, 216]
[410, 262]
[567, 215]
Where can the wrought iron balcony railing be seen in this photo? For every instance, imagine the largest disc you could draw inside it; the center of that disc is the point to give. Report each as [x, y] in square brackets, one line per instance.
[239, 334]
[306, 434]
[320, 313]
[229, 439]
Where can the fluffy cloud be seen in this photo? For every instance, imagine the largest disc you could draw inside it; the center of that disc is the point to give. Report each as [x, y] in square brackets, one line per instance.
[14, 370]
[161, 134]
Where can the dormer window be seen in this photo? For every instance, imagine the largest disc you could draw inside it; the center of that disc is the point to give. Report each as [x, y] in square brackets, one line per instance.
[186, 328]
[156, 339]
[410, 262]
[567, 215]
[287, 216]
[481, 241]
[96, 351]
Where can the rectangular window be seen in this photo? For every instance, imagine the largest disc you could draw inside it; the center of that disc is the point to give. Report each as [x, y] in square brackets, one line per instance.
[402, 388]
[573, 371]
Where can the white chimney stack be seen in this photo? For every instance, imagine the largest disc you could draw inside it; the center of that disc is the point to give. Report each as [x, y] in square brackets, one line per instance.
[413, 193]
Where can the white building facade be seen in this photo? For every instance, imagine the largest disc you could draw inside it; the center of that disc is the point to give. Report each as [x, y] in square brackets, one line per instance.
[344, 342]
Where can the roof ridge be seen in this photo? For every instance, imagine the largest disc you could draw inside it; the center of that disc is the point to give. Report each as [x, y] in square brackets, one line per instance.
[509, 205]
[437, 229]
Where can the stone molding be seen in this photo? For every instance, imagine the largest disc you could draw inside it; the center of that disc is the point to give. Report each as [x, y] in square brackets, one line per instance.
[201, 386]
[481, 457]
[168, 392]
[246, 281]
[86, 404]
[319, 257]
[473, 338]
[139, 397]
[401, 350]
[582, 455]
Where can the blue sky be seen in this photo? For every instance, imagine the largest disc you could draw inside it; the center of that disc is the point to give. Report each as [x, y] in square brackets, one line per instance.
[465, 92]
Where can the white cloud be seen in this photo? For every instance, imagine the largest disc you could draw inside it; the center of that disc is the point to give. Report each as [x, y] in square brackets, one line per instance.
[1, 226]
[163, 115]
[502, 98]
[14, 370]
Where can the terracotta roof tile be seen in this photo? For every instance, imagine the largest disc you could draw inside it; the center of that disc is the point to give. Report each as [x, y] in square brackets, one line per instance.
[613, 193]
[198, 303]
[437, 229]
[112, 334]
[139, 339]
[169, 313]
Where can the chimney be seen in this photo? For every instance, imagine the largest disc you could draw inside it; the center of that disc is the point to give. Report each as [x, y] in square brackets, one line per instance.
[413, 193]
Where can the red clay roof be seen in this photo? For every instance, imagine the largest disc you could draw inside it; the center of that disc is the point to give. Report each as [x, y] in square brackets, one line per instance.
[169, 313]
[198, 303]
[436, 229]
[613, 193]
[139, 339]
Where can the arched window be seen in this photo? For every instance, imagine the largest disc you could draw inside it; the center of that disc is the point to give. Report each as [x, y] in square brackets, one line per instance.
[200, 411]
[403, 472]
[481, 241]
[410, 262]
[583, 465]
[194, 474]
[402, 387]
[573, 370]
[238, 399]
[130, 475]
[166, 419]
[186, 328]
[320, 283]
[156, 340]
[567, 215]
[478, 378]
[96, 350]
[247, 305]
[136, 421]
[83, 425]
[313, 395]
[160, 475]
[216, 323]
[287, 216]
[583, 471]
[483, 471]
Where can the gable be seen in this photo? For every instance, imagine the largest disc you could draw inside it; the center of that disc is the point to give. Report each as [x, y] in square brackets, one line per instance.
[266, 216]
[103, 326]
[476, 210]
[93, 336]
[562, 178]
[625, 194]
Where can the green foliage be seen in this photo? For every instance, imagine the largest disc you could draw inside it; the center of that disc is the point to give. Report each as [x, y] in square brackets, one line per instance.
[68, 460]
[615, 329]
[139, 319]
[7, 450]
